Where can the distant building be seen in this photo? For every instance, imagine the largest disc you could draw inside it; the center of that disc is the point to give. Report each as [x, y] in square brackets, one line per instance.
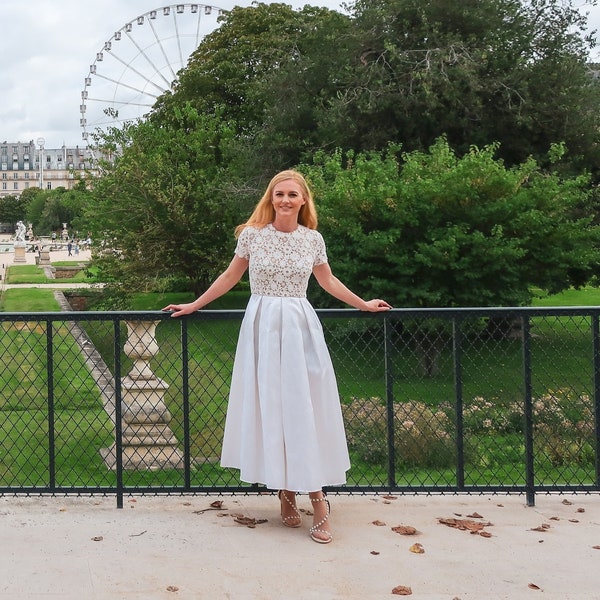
[24, 165]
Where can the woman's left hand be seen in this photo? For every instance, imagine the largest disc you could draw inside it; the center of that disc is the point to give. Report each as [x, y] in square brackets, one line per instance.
[377, 305]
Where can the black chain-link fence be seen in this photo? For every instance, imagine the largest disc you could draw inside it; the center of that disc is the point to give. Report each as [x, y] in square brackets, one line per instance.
[479, 400]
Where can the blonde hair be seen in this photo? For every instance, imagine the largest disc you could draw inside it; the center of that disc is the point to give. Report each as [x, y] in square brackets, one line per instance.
[264, 213]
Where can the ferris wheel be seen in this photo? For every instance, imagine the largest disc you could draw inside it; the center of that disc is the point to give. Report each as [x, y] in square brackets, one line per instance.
[140, 62]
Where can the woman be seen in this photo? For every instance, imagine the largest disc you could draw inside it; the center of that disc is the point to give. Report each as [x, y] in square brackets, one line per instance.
[284, 424]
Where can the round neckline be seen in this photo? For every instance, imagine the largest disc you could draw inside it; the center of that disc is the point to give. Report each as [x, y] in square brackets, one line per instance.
[284, 232]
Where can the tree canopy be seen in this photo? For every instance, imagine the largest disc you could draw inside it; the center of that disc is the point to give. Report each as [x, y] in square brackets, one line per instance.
[432, 229]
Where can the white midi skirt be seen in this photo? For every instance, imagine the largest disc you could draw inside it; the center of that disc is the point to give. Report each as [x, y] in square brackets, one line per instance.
[284, 425]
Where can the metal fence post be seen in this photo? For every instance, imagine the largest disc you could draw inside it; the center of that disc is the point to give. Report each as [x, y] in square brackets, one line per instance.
[458, 393]
[389, 400]
[528, 413]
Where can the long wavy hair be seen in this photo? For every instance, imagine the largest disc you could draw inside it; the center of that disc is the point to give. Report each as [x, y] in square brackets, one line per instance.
[264, 213]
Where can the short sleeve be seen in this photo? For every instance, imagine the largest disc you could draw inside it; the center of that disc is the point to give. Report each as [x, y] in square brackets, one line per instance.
[321, 251]
[243, 244]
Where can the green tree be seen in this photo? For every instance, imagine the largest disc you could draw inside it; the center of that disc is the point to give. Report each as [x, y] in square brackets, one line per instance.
[12, 209]
[271, 70]
[430, 229]
[164, 209]
[49, 209]
[476, 71]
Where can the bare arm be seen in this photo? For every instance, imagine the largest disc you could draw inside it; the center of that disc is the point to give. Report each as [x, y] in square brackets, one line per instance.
[221, 285]
[331, 284]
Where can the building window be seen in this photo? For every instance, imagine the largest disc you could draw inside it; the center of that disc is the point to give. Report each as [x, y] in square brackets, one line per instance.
[3, 175]
[27, 185]
[4, 185]
[49, 185]
[16, 185]
[26, 175]
[15, 176]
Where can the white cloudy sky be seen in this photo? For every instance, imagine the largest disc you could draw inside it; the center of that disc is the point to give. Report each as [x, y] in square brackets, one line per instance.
[49, 47]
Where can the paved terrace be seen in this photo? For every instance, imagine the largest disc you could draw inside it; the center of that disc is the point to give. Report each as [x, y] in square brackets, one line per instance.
[182, 547]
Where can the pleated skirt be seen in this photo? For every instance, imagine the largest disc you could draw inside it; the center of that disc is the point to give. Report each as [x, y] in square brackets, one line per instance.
[284, 425]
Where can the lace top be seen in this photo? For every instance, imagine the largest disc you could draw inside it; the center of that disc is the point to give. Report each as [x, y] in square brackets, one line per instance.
[281, 263]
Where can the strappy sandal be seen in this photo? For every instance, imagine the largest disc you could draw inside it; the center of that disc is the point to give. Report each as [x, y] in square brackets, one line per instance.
[293, 521]
[317, 528]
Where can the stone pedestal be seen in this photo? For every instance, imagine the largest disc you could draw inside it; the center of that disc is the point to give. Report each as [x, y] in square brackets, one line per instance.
[148, 442]
[44, 257]
[20, 252]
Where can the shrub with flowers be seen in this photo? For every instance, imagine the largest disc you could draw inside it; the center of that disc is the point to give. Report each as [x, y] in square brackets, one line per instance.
[423, 437]
[563, 429]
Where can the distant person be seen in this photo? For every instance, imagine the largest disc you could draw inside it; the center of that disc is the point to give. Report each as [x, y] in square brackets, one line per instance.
[284, 425]
[70, 248]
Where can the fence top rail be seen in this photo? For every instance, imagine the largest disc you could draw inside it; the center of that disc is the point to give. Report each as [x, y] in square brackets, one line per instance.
[395, 313]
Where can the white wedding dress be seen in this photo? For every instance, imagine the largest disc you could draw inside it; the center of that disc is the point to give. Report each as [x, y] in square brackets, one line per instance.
[284, 424]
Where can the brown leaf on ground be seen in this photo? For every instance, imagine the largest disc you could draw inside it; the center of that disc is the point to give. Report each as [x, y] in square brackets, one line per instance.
[388, 497]
[404, 530]
[374, 553]
[596, 547]
[532, 586]
[417, 549]
[248, 521]
[379, 523]
[573, 520]
[542, 527]
[566, 502]
[475, 527]
[485, 534]
[581, 510]
[475, 515]
[218, 504]
[172, 588]
[555, 518]
[402, 590]
[97, 538]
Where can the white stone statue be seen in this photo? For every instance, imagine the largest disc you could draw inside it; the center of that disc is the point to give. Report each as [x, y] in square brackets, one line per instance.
[20, 232]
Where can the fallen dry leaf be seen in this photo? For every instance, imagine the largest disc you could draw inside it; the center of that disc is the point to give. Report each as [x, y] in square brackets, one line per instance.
[404, 530]
[581, 510]
[596, 547]
[402, 590]
[217, 504]
[485, 534]
[542, 527]
[388, 497]
[554, 518]
[249, 521]
[379, 523]
[566, 502]
[573, 520]
[475, 527]
[172, 588]
[97, 538]
[532, 586]
[374, 553]
[417, 549]
[475, 515]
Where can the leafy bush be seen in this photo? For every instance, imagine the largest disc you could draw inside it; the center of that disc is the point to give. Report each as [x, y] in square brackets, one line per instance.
[423, 437]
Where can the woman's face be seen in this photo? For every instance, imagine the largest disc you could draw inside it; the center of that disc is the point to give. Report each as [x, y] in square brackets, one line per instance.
[287, 199]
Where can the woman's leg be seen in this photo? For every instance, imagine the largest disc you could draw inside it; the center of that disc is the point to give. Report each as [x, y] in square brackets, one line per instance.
[290, 515]
[321, 530]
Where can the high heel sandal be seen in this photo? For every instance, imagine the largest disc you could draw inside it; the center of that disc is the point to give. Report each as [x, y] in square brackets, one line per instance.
[317, 528]
[293, 521]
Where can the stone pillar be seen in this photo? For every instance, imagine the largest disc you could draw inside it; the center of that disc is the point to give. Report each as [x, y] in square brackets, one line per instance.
[148, 442]
[44, 256]
[20, 252]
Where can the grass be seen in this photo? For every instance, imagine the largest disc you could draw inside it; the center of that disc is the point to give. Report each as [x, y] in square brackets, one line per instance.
[491, 370]
[33, 274]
